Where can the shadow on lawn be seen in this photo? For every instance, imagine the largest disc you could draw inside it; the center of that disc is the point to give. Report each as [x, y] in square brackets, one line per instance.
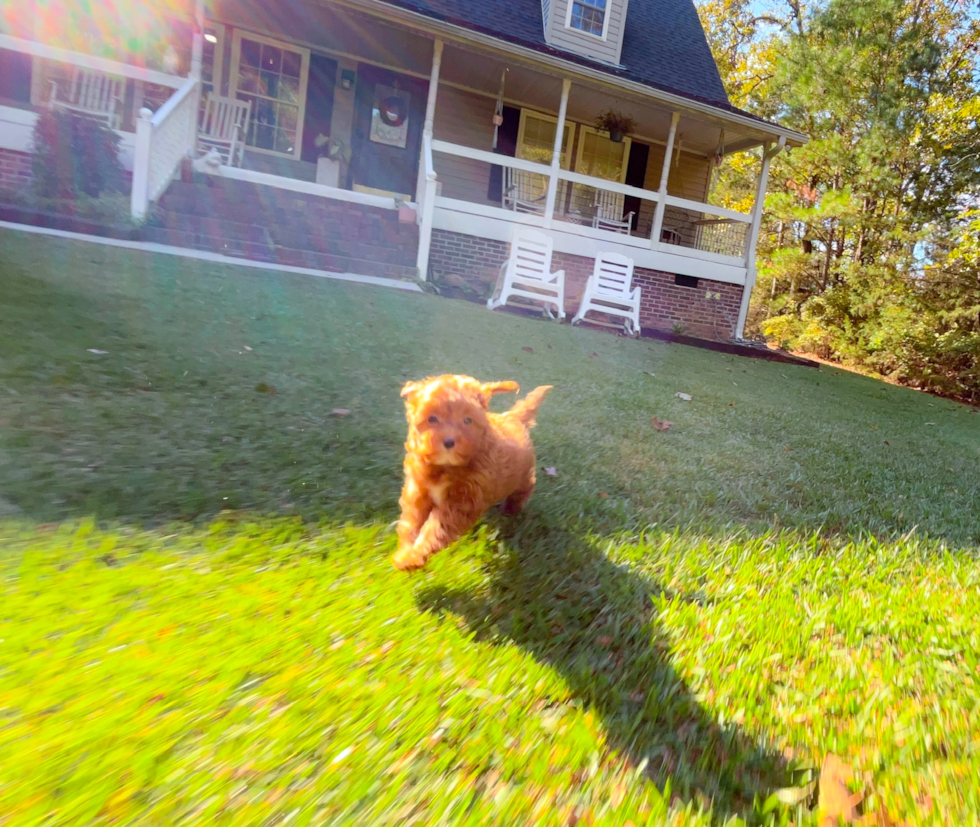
[572, 608]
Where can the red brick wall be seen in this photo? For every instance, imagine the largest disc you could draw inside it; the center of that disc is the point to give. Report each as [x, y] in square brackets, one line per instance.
[664, 304]
[15, 169]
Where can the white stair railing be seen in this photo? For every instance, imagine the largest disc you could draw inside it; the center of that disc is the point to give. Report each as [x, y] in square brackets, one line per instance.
[163, 140]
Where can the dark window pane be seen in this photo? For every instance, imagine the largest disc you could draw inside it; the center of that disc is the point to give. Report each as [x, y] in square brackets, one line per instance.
[288, 115]
[248, 79]
[271, 58]
[289, 90]
[265, 112]
[285, 140]
[251, 53]
[270, 85]
[265, 137]
[292, 62]
[587, 17]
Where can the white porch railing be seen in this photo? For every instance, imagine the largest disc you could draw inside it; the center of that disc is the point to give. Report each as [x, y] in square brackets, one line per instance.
[163, 140]
[587, 207]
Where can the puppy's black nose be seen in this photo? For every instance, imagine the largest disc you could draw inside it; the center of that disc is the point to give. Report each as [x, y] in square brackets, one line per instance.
[449, 443]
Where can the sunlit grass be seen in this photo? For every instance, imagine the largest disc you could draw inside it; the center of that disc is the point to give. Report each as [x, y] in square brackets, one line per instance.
[679, 625]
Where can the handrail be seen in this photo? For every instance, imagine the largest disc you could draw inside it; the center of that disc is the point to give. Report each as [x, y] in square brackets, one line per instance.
[605, 184]
[490, 157]
[697, 206]
[98, 64]
[175, 100]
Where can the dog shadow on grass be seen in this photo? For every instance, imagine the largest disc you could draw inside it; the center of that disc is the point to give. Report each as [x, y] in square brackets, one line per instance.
[593, 621]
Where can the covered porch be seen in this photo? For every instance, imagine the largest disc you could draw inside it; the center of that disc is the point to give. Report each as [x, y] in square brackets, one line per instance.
[365, 103]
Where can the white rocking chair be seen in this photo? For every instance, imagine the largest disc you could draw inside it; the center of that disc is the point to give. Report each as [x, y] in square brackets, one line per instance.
[519, 192]
[222, 128]
[527, 274]
[609, 212]
[93, 94]
[608, 291]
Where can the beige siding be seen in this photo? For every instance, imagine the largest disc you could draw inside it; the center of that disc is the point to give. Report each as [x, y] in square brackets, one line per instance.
[561, 37]
[688, 178]
[466, 119]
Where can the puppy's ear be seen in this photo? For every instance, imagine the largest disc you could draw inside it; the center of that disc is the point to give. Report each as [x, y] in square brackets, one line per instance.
[410, 388]
[488, 389]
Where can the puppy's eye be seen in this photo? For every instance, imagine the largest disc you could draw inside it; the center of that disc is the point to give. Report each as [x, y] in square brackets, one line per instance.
[433, 419]
[467, 421]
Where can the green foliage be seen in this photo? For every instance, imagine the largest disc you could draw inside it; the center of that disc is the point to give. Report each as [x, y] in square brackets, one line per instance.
[74, 156]
[110, 209]
[857, 261]
[791, 569]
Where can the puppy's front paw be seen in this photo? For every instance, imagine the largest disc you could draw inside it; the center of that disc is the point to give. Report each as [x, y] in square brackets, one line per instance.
[409, 559]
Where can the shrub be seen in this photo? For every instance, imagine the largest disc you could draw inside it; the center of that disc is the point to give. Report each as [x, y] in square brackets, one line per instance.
[74, 155]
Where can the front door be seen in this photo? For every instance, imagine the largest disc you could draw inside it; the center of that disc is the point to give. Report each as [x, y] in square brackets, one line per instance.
[319, 105]
[388, 113]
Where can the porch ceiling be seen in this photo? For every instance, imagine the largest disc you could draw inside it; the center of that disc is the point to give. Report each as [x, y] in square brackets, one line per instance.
[331, 28]
[533, 87]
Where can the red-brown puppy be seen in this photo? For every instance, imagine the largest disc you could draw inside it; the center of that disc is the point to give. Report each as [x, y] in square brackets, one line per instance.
[460, 459]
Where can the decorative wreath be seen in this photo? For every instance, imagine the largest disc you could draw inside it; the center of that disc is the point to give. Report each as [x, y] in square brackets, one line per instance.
[393, 111]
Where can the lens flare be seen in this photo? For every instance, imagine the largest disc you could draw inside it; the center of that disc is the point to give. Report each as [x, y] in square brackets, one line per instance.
[140, 32]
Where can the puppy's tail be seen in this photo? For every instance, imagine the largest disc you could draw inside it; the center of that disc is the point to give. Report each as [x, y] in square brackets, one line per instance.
[526, 409]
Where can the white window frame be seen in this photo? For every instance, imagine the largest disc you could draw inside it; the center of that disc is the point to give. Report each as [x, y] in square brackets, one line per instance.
[584, 130]
[605, 21]
[304, 76]
[217, 71]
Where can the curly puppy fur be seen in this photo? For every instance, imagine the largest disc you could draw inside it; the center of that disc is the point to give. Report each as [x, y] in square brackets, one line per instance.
[460, 459]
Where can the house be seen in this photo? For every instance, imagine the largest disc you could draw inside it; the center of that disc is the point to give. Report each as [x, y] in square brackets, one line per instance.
[477, 116]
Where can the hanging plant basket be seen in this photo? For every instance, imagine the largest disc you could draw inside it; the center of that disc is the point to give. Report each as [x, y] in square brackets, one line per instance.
[617, 124]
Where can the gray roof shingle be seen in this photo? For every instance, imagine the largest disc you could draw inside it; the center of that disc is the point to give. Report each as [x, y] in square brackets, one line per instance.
[664, 46]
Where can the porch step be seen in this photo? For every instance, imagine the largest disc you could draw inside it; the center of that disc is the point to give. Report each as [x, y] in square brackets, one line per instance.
[270, 224]
[231, 238]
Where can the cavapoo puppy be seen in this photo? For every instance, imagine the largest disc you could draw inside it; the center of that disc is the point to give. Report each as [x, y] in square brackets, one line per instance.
[460, 459]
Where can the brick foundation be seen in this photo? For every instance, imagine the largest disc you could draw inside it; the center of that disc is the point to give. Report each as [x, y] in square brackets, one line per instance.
[271, 224]
[15, 169]
[664, 304]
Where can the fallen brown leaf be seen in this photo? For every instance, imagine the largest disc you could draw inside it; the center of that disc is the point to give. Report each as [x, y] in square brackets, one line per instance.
[527, 349]
[661, 424]
[836, 802]
[603, 495]
[262, 387]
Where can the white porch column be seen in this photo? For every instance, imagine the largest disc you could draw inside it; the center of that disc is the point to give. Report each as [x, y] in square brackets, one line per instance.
[197, 62]
[140, 194]
[753, 236]
[425, 190]
[549, 206]
[658, 215]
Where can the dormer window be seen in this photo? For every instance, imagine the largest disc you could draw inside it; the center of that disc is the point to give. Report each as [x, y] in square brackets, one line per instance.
[587, 16]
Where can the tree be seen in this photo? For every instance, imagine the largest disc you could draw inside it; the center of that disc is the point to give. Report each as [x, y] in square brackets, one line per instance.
[864, 223]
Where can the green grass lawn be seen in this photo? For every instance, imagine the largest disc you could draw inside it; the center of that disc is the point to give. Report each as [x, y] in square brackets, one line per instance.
[199, 623]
